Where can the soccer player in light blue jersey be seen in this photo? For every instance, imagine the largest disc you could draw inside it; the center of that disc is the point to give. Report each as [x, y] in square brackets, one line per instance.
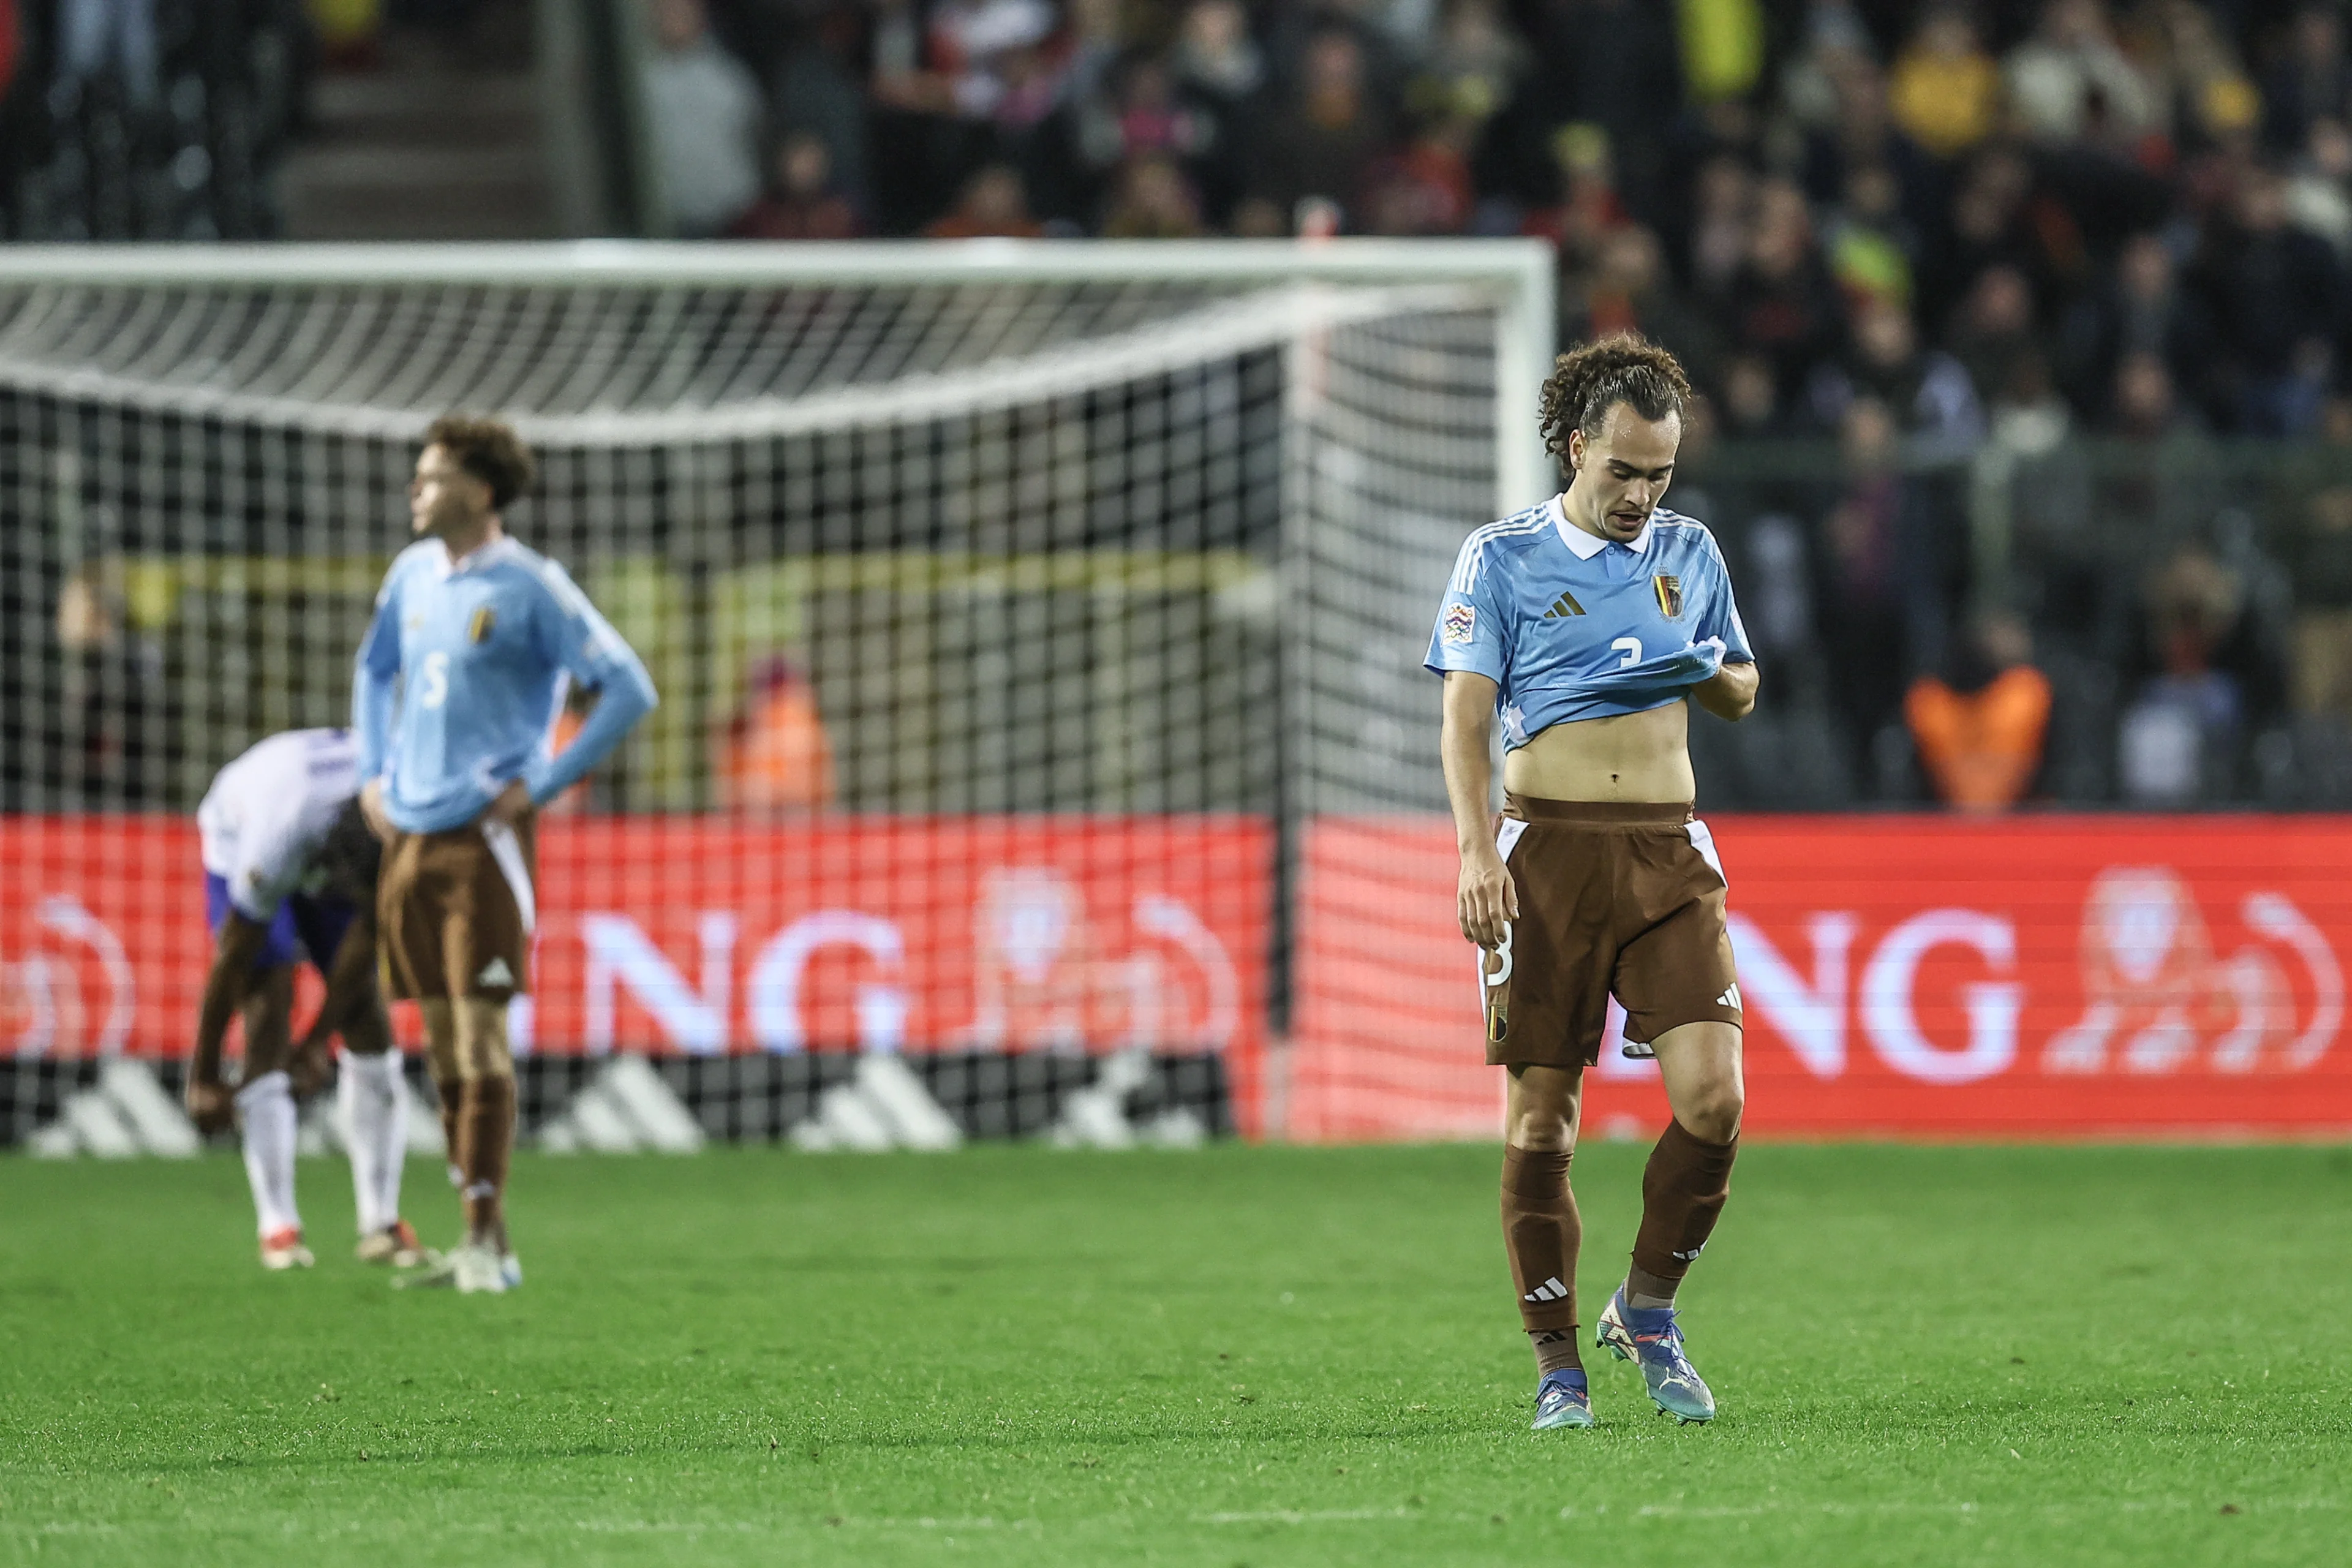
[475, 642]
[1589, 624]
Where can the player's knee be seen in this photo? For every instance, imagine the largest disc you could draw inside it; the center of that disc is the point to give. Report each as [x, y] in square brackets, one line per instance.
[482, 1048]
[1714, 1112]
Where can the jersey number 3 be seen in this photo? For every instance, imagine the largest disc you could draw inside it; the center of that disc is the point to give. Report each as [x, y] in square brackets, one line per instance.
[1632, 647]
[432, 680]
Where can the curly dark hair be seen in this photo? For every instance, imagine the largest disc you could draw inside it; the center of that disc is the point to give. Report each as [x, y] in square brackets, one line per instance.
[1587, 380]
[490, 450]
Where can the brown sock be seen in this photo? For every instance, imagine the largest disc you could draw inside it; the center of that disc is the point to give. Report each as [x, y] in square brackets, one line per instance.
[1541, 1233]
[489, 1113]
[451, 1093]
[1683, 1193]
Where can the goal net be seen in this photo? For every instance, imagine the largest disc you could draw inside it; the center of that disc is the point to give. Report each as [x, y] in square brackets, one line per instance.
[1038, 629]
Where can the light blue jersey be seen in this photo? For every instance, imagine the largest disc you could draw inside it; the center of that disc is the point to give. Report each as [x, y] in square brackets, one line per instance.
[461, 674]
[1572, 626]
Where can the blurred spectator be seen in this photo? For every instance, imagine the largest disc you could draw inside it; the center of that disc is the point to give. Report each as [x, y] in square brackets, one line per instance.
[1220, 71]
[2143, 408]
[801, 202]
[2322, 670]
[1722, 48]
[1614, 63]
[579, 702]
[1587, 210]
[1426, 188]
[1930, 394]
[994, 205]
[1784, 306]
[818, 88]
[2201, 85]
[1474, 65]
[1994, 329]
[1990, 226]
[1630, 291]
[2311, 81]
[1323, 137]
[2140, 309]
[1862, 599]
[1724, 202]
[2179, 737]
[772, 756]
[112, 38]
[2276, 296]
[118, 733]
[1869, 245]
[703, 109]
[1152, 202]
[1145, 115]
[1751, 409]
[2319, 186]
[1947, 91]
[1979, 725]
[2070, 81]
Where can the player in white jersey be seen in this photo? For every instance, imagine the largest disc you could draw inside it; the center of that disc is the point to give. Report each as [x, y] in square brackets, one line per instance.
[1590, 623]
[289, 872]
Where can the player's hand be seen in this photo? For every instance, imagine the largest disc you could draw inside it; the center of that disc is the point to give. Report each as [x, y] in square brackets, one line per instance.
[512, 806]
[211, 1106]
[1487, 900]
[372, 807]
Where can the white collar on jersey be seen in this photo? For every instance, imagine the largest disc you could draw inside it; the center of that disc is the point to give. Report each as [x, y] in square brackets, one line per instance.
[1586, 546]
[481, 555]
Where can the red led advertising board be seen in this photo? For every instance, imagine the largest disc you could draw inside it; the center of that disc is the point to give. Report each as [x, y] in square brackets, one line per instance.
[700, 935]
[2075, 976]
[1902, 976]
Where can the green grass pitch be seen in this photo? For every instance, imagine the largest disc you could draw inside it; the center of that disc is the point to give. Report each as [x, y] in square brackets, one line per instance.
[1244, 1355]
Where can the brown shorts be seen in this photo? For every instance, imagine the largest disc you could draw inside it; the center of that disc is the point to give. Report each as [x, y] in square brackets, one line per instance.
[1615, 897]
[455, 912]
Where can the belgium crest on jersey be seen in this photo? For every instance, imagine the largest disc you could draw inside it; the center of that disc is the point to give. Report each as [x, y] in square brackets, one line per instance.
[1670, 596]
[485, 622]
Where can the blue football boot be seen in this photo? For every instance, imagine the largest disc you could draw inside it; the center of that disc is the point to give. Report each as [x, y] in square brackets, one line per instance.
[1563, 1400]
[1648, 1338]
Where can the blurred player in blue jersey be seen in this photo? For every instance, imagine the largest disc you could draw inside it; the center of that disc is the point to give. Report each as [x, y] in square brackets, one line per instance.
[290, 872]
[475, 642]
[1586, 622]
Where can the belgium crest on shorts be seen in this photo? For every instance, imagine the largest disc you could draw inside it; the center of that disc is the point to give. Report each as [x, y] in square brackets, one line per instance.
[1670, 596]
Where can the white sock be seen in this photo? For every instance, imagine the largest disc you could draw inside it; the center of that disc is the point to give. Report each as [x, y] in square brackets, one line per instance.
[375, 1130]
[267, 1106]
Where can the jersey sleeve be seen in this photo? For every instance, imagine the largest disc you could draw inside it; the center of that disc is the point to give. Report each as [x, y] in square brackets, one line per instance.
[1719, 617]
[1469, 632]
[584, 644]
[375, 670]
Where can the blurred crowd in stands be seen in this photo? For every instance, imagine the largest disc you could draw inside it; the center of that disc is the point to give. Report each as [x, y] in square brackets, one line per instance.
[2013, 263]
[146, 119]
[2024, 326]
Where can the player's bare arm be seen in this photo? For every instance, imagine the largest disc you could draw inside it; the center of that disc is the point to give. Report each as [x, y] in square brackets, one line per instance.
[1730, 693]
[1484, 900]
[228, 984]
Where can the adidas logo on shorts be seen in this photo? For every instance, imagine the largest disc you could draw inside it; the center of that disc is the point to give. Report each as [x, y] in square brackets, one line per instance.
[1731, 997]
[495, 973]
[1550, 1289]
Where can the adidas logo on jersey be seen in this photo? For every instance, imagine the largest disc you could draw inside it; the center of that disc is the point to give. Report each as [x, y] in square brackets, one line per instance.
[1731, 997]
[1565, 604]
[1550, 1289]
[495, 973]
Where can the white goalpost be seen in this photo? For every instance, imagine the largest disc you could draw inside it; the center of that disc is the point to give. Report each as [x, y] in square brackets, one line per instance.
[1024, 612]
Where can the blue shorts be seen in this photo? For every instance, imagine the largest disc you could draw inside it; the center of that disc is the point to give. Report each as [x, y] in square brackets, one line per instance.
[302, 924]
